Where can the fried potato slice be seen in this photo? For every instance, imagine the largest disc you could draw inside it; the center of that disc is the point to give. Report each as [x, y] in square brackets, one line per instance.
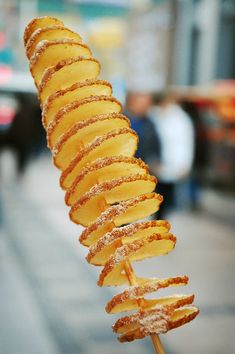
[155, 321]
[120, 214]
[128, 299]
[40, 22]
[101, 170]
[76, 92]
[143, 323]
[49, 33]
[82, 133]
[49, 53]
[169, 304]
[66, 73]
[113, 273]
[99, 197]
[183, 316]
[100, 252]
[117, 142]
[77, 111]
[179, 299]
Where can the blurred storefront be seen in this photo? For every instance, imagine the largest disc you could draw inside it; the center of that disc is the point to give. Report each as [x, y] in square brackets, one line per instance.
[131, 38]
[204, 73]
[159, 41]
[146, 45]
[204, 41]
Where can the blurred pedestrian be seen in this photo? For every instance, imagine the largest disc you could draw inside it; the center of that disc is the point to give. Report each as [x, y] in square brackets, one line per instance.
[25, 135]
[137, 108]
[201, 152]
[176, 136]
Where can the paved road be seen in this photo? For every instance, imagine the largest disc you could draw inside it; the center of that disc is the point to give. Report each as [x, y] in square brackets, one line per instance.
[50, 303]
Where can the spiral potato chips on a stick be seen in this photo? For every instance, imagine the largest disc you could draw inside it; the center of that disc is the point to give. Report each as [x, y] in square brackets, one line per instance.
[107, 188]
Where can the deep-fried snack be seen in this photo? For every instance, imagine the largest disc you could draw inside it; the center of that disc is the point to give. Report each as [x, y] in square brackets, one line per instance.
[86, 209]
[128, 299]
[84, 132]
[155, 245]
[117, 142]
[49, 33]
[107, 188]
[40, 22]
[76, 92]
[49, 53]
[119, 214]
[102, 170]
[59, 76]
[77, 111]
[100, 252]
[155, 321]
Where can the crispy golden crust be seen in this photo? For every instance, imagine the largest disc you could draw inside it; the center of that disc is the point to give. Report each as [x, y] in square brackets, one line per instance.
[82, 124]
[72, 106]
[101, 163]
[121, 232]
[71, 88]
[154, 321]
[91, 147]
[120, 255]
[125, 251]
[30, 28]
[180, 301]
[39, 31]
[157, 319]
[48, 73]
[75, 86]
[109, 185]
[114, 211]
[139, 291]
[43, 45]
[184, 320]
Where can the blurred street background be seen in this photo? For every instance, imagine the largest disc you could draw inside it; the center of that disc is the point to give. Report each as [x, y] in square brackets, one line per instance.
[172, 65]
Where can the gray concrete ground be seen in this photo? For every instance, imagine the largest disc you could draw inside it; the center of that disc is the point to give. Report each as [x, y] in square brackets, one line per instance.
[50, 303]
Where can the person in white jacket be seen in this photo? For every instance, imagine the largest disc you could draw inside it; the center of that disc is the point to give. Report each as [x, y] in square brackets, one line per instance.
[176, 133]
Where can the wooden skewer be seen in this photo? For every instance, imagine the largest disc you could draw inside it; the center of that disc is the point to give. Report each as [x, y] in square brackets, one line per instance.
[157, 344]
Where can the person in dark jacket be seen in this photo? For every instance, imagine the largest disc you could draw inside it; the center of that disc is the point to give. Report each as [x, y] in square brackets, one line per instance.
[137, 108]
[26, 136]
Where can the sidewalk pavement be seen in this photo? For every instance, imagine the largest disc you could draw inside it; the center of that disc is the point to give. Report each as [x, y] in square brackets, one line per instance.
[50, 302]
